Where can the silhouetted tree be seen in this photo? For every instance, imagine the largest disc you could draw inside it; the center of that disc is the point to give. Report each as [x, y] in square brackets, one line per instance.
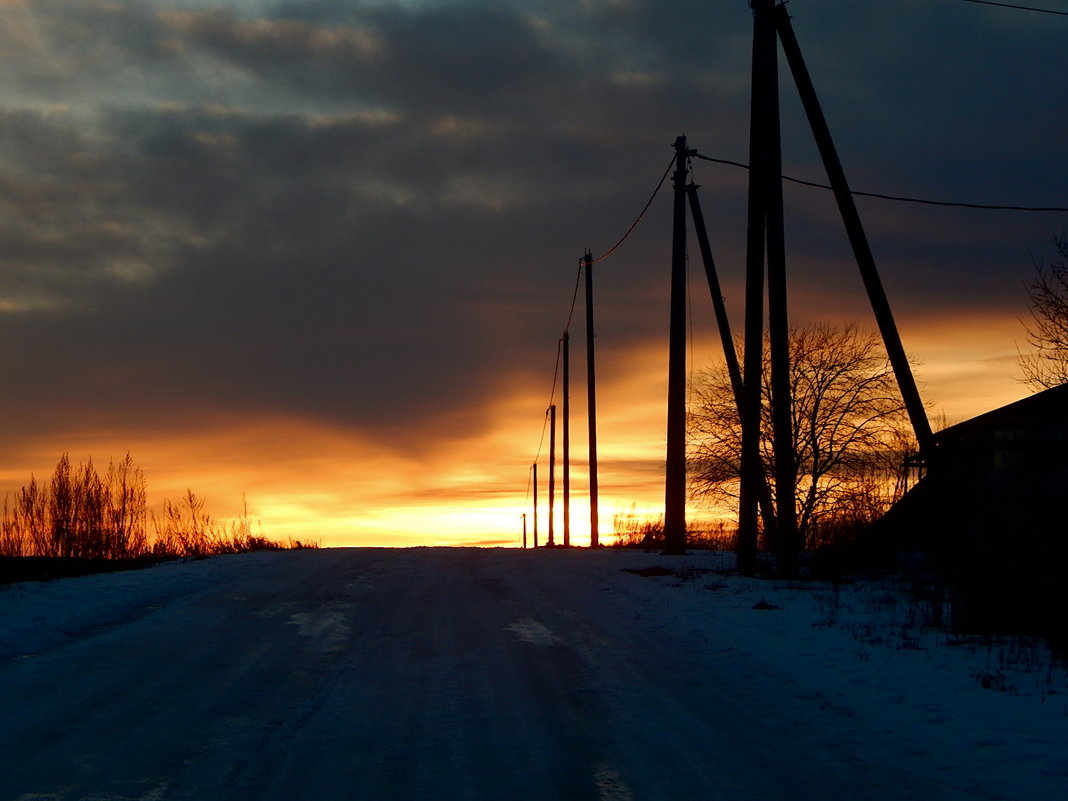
[850, 431]
[1047, 364]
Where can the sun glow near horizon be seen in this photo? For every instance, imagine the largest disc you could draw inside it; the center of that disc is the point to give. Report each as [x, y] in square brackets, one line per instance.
[309, 481]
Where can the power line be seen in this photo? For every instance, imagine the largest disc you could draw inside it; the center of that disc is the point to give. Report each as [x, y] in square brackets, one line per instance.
[898, 198]
[1020, 8]
[574, 299]
[552, 399]
[634, 224]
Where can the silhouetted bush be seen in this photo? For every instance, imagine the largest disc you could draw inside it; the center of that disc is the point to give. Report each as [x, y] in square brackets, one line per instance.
[81, 515]
[634, 530]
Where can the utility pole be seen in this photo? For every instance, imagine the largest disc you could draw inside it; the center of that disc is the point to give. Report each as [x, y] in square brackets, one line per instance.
[591, 390]
[534, 468]
[675, 475]
[524, 531]
[752, 465]
[730, 354]
[552, 471]
[787, 546]
[565, 343]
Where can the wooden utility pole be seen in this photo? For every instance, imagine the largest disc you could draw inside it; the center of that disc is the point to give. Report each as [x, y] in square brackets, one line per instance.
[591, 391]
[752, 465]
[534, 469]
[565, 343]
[787, 545]
[675, 476]
[766, 238]
[552, 471]
[730, 354]
[524, 531]
[771, 25]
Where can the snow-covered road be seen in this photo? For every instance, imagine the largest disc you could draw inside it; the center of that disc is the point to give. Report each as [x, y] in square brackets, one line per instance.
[456, 674]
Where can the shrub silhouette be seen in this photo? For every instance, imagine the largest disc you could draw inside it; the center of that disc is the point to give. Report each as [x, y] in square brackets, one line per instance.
[83, 515]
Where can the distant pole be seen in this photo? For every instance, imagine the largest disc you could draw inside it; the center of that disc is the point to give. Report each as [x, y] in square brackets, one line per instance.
[675, 476]
[566, 344]
[534, 468]
[591, 389]
[552, 470]
[524, 531]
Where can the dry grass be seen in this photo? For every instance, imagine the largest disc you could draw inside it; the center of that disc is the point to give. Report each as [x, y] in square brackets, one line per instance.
[81, 514]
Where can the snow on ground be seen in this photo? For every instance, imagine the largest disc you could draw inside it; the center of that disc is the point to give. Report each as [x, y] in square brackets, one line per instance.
[502, 674]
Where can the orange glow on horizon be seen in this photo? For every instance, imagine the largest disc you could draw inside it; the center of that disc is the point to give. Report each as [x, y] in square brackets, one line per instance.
[312, 482]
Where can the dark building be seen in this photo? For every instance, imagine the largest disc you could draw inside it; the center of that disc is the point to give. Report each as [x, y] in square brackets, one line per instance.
[991, 512]
[1007, 470]
[1003, 474]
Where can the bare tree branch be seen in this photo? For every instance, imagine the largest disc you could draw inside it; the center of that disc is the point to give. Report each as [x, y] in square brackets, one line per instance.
[1046, 365]
[850, 426]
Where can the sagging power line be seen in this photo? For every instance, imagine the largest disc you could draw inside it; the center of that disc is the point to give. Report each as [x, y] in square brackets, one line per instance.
[1018, 7]
[897, 198]
[585, 267]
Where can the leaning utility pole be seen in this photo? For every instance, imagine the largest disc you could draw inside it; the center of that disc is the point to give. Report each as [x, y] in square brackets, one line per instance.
[730, 354]
[565, 344]
[847, 207]
[771, 25]
[726, 338]
[675, 476]
[591, 390]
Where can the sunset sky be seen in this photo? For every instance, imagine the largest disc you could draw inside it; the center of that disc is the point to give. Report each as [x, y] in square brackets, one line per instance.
[320, 252]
